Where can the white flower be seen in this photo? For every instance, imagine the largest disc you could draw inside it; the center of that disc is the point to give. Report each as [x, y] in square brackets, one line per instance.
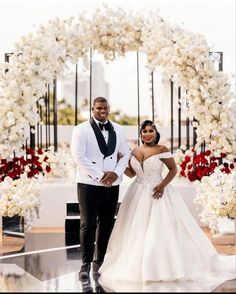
[37, 58]
[183, 55]
[60, 162]
[216, 194]
[20, 197]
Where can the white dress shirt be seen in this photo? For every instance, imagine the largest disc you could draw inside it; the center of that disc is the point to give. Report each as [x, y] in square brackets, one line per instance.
[104, 132]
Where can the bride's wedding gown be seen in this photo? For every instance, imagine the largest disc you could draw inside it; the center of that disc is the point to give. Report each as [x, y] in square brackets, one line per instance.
[156, 244]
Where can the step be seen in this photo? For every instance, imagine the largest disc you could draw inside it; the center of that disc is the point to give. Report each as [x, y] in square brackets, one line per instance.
[72, 208]
[72, 223]
[72, 230]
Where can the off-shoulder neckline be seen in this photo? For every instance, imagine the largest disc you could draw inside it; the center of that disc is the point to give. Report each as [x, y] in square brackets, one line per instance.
[157, 154]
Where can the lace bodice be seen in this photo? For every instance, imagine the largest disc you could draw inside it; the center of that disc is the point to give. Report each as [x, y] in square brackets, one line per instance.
[151, 169]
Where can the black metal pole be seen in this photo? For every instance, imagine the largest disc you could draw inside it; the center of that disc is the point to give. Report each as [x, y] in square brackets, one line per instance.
[46, 118]
[7, 56]
[152, 81]
[194, 134]
[37, 132]
[138, 97]
[76, 94]
[32, 137]
[48, 112]
[187, 133]
[90, 82]
[41, 127]
[221, 61]
[171, 116]
[179, 117]
[55, 114]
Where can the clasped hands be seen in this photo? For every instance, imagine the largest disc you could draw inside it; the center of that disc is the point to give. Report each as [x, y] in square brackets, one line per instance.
[108, 179]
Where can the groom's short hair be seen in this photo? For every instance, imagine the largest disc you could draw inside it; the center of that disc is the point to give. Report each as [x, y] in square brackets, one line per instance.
[99, 99]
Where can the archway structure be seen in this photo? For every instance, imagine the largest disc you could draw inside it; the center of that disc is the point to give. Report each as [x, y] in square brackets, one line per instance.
[38, 58]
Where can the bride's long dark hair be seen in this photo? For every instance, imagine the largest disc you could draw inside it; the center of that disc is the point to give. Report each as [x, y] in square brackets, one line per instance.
[148, 122]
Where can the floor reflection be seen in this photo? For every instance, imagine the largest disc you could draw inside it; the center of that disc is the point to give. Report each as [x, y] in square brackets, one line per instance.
[15, 279]
[47, 265]
[35, 241]
[55, 269]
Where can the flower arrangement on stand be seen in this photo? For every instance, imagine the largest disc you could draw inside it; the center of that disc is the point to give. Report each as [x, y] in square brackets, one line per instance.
[215, 189]
[20, 197]
[195, 165]
[217, 196]
[20, 178]
[19, 185]
[34, 162]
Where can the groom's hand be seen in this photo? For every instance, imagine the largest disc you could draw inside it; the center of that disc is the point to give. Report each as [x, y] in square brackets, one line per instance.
[109, 178]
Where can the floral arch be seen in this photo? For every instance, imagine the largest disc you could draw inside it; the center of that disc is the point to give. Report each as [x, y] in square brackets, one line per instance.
[38, 58]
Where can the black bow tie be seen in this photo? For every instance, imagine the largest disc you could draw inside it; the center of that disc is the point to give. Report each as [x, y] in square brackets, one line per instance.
[104, 126]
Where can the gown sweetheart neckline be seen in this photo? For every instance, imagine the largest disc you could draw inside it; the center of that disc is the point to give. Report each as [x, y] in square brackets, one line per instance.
[142, 163]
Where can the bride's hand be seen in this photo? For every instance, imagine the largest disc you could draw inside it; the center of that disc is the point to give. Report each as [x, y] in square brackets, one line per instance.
[158, 191]
[119, 156]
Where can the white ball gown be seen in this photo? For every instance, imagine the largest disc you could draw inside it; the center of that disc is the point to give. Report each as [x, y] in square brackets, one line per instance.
[156, 244]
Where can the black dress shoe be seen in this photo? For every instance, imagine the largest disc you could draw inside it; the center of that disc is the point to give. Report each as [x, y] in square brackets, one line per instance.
[98, 287]
[86, 286]
[96, 267]
[84, 272]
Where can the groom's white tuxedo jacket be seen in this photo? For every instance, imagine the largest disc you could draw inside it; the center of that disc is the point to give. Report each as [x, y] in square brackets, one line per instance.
[94, 156]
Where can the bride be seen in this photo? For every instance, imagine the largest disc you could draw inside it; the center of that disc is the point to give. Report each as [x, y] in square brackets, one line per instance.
[156, 244]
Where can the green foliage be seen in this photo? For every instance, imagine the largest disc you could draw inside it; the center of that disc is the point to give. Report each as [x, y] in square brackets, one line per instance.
[123, 119]
[66, 114]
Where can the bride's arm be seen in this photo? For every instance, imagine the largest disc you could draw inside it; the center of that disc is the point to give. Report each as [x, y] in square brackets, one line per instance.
[171, 165]
[129, 172]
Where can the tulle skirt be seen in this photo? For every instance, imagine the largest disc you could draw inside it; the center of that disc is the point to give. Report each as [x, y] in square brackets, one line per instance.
[157, 244]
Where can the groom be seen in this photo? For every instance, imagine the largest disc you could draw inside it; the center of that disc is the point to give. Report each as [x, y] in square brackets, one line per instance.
[94, 147]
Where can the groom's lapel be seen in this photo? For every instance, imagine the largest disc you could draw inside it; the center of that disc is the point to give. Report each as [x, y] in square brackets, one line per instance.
[111, 144]
[100, 139]
[109, 148]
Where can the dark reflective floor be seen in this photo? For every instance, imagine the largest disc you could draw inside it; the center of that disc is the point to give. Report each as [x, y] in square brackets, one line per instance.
[50, 263]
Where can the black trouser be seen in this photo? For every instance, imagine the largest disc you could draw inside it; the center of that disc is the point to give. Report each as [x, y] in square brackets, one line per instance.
[97, 210]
